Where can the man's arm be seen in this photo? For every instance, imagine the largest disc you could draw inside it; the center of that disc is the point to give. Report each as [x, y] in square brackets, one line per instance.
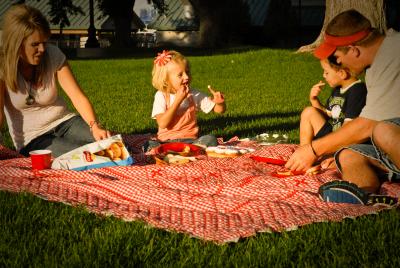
[356, 131]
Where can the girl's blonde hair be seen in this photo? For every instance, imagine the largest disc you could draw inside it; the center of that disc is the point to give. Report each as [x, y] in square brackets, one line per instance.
[19, 22]
[160, 71]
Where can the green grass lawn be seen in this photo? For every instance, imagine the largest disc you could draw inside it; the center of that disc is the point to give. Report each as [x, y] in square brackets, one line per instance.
[265, 92]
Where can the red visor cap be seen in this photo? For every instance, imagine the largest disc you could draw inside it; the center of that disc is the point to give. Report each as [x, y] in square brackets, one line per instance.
[331, 42]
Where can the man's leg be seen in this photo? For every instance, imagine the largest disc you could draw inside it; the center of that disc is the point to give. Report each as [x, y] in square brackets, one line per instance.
[386, 136]
[359, 169]
[311, 121]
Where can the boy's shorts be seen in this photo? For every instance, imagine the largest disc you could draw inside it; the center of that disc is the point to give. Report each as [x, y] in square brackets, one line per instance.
[375, 153]
[325, 130]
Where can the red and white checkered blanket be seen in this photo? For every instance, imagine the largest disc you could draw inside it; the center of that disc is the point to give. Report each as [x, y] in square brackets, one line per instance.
[220, 200]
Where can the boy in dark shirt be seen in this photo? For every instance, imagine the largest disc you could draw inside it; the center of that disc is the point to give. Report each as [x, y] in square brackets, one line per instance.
[345, 103]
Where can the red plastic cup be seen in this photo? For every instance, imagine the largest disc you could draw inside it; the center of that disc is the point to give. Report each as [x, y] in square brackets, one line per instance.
[41, 159]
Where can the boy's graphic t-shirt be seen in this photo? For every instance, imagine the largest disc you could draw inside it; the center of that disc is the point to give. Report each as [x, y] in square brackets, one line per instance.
[346, 104]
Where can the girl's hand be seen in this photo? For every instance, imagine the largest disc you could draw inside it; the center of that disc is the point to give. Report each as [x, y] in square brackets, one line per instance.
[99, 133]
[218, 97]
[181, 94]
[316, 90]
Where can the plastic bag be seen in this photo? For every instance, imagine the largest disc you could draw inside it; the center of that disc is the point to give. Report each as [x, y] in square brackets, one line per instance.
[103, 153]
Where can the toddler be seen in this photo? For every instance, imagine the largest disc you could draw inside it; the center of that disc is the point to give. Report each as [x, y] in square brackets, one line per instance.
[176, 103]
[344, 104]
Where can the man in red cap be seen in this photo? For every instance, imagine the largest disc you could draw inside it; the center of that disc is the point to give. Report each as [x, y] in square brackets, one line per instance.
[354, 44]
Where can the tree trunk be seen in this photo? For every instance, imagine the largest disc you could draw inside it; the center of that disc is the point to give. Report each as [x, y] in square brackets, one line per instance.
[221, 21]
[123, 37]
[121, 12]
[209, 23]
[371, 9]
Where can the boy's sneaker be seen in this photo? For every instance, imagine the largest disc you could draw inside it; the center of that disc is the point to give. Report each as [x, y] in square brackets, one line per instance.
[340, 191]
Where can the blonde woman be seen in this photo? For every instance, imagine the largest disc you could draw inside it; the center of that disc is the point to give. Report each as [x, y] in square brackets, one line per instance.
[30, 69]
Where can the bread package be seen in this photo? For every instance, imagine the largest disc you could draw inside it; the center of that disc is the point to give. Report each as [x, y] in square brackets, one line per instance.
[103, 153]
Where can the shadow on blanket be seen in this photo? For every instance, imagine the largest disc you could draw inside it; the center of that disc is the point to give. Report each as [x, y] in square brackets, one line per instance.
[6, 153]
[220, 200]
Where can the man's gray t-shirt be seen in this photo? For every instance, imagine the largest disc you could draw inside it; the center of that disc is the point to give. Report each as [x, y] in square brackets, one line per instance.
[383, 81]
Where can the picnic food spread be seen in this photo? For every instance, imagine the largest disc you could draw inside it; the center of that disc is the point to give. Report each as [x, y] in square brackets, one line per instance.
[227, 151]
[242, 197]
[176, 153]
[103, 153]
[115, 152]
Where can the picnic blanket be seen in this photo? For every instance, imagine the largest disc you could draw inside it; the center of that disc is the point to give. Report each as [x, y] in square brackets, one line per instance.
[216, 199]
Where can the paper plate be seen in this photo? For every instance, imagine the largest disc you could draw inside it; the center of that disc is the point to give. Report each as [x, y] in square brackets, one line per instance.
[286, 173]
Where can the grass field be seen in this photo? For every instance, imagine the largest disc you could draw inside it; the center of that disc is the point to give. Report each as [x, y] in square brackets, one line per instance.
[265, 91]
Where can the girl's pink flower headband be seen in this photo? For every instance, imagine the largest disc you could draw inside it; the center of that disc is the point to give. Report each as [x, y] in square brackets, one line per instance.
[163, 58]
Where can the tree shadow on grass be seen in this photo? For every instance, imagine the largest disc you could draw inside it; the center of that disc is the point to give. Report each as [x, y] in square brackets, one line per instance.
[250, 117]
[144, 53]
[219, 124]
[246, 129]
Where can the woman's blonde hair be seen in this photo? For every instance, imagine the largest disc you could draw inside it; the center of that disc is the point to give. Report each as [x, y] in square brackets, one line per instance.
[160, 71]
[19, 22]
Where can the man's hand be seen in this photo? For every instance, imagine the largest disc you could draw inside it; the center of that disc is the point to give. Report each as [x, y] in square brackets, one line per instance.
[302, 159]
[328, 163]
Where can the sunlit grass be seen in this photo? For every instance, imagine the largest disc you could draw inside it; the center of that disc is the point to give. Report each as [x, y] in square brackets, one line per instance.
[265, 92]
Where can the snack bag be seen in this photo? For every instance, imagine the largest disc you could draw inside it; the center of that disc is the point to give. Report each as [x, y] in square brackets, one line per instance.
[103, 153]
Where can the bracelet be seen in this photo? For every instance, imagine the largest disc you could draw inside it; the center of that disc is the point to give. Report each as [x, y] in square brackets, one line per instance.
[312, 148]
[92, 123]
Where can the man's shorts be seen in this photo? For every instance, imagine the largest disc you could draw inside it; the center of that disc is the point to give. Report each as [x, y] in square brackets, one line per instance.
[373, 152]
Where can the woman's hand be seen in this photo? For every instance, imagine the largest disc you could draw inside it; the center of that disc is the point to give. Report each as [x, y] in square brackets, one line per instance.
[99, 133]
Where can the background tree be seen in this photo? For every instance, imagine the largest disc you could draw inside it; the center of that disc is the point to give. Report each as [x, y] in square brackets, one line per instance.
[121, 12]
[59, 11]
[372, 9]
[280, 23]
[221, 22]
